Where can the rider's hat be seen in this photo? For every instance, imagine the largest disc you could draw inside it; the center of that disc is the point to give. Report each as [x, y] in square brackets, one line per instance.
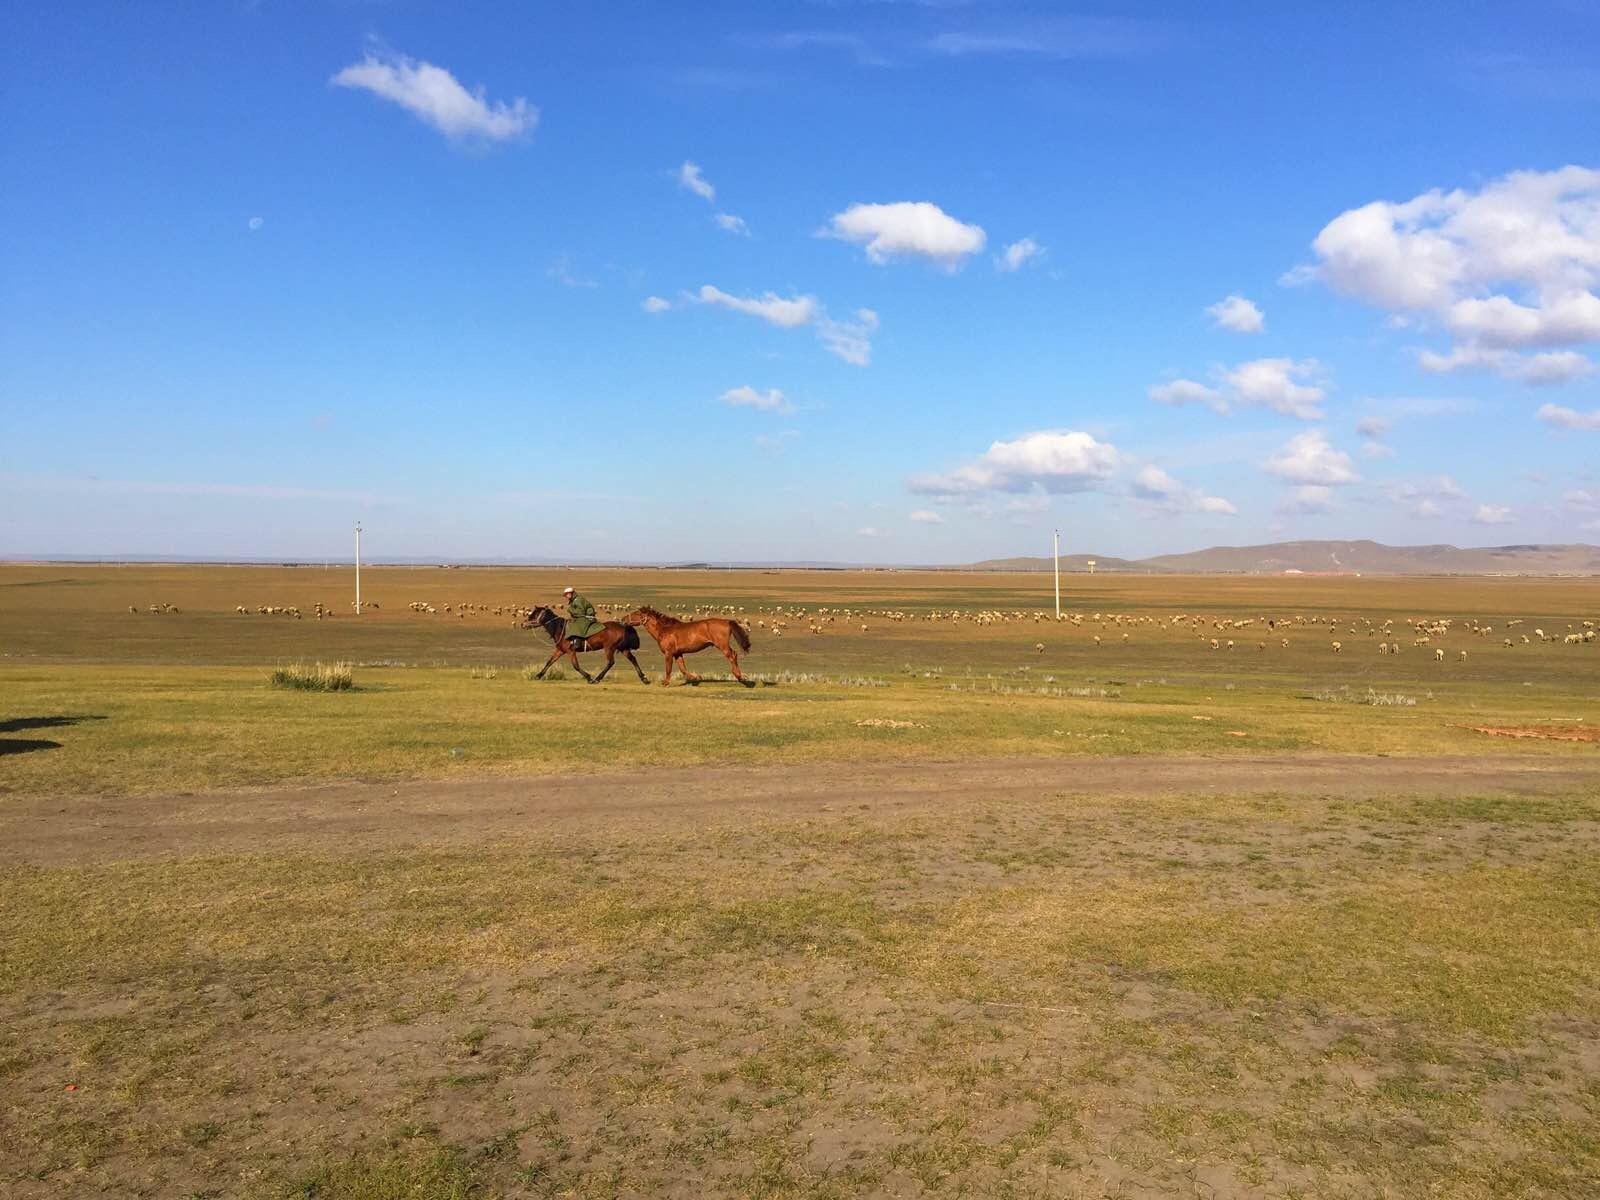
[567, 591]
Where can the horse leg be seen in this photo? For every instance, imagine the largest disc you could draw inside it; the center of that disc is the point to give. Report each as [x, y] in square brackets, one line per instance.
[733, 661]
[572, 653]
[666, 680]
[684, 667]
[637, 669]
[554, 654]
[611, 657]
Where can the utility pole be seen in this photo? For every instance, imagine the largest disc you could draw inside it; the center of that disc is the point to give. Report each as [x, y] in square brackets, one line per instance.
[358, 568]
[1058, 573]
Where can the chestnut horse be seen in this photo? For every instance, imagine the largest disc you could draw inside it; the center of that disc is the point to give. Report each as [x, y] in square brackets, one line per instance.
[613, 637]
[677, 638]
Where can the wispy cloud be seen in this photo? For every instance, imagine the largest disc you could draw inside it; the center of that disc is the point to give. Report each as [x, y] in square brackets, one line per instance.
[825, 40]
[1081, 37]
[691, 179]
[435, 97]
[1017, 255]
[848, 338]
[771, 400]
[561, 271]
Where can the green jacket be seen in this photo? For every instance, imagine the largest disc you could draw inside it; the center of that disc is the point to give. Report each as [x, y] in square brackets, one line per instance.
[580, 618]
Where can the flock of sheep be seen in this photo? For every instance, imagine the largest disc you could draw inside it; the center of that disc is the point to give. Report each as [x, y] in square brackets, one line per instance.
[1211, 630]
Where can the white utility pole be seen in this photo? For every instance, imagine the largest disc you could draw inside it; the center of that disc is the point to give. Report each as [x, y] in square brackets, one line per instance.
[358, 568]
[1058, 573]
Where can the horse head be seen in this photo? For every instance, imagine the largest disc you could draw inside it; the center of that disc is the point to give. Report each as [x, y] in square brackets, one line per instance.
[542, 616]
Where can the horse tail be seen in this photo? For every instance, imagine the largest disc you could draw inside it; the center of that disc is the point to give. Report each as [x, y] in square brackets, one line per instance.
[739, 635]
[630, 638]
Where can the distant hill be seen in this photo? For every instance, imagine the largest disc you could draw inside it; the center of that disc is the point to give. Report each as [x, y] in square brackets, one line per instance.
[1069, 562]
[1322, 557]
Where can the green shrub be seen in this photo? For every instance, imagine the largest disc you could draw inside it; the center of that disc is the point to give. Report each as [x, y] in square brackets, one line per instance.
[320, 677]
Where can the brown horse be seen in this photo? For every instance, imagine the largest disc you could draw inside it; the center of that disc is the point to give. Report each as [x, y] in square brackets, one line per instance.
[615, 636]
[677, 638]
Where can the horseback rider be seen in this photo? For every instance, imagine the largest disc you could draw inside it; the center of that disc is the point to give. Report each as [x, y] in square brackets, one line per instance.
[581, 620]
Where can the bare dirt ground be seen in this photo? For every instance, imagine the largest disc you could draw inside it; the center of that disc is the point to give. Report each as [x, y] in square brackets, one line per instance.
[368, 816]
[1346, 977]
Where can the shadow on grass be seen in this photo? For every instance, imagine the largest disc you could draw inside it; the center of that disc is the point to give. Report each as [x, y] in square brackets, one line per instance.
[24, 745]
[10, 746]
[18, 724]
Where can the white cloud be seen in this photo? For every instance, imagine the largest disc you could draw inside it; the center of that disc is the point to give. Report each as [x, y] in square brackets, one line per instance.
[1551, 367]
[1536, 370]
[1054, 460]
[869, 531]
[850, 340]
[906, 228]
[732, 224]
[656, 304]
[771, 400]
[1237, 315]
[255, 223]
[1187, 391]
[1270, 383]
[1371, 430]
[926, 516]
[435, 97]
[1156, 486]
[788, 313]
[1018, 254]
[1568, 418]
[1428, 498]
[1460, 358]
[1493, 514]
[1511, 266]
[1307, 458]
[1307, 500]
[689, 178]
[1580, 500]
[1275, 383]
[1501, 323]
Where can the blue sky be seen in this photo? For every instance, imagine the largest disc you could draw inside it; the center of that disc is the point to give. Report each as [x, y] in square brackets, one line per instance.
[928, 280]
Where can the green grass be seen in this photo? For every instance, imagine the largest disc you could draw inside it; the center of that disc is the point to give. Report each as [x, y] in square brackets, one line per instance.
[174, 702]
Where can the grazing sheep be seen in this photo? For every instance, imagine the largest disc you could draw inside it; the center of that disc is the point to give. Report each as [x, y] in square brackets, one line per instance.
[1338, 647]
[1438, 656]
[1038, 647]
[1463, 656]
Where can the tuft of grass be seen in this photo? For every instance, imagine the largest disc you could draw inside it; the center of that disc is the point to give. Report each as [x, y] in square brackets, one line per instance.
[530, 673]
[413, 1169]
[318, 677]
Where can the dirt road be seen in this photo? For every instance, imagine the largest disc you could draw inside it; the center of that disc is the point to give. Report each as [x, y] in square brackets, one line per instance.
[368, 816]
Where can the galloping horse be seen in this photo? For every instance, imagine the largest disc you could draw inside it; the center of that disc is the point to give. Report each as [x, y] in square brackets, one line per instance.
[615, 636]
[677, 638]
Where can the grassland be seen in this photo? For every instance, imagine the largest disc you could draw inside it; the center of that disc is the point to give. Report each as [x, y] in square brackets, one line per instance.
[178, 701]
[894, 981]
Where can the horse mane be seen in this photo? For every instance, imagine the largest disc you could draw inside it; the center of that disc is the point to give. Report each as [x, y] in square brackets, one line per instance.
[659, 615]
